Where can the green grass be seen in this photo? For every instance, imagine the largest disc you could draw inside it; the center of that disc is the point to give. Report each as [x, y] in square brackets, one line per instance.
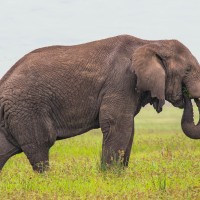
[164, 164]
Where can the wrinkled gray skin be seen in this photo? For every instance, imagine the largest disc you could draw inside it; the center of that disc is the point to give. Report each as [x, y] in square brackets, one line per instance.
[59, 92]
[189, 128]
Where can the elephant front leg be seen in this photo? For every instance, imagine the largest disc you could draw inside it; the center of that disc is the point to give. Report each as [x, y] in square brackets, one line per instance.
[117, 139]
[7, 149]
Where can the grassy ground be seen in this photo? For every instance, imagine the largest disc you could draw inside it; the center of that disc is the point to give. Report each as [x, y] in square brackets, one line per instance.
[164, 164]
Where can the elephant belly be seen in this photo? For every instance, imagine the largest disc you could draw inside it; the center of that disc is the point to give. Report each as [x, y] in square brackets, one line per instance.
[67, 133]
[75, 130]
[77, 120]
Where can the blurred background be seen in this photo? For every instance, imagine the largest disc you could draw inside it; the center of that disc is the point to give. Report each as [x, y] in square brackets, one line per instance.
[26, 25]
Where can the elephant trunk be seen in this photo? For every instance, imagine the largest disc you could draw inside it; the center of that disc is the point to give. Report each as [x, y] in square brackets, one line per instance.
[187, 123]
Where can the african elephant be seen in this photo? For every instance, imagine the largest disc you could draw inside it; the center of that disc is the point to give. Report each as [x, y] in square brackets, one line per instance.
[58, 92]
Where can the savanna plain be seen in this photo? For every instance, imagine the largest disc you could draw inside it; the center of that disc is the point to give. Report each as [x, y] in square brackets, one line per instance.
[164, 164]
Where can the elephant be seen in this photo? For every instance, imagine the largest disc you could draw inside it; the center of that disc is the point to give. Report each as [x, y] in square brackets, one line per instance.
[58, 92]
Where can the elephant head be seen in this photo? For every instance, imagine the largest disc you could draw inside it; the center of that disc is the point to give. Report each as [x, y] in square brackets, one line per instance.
[165, 69]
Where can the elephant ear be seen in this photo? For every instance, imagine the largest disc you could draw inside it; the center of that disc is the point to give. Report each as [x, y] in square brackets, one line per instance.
[149, 69]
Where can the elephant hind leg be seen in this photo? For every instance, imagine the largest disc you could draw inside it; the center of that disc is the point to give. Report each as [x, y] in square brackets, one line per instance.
[7, 150]
[36, 147]
[37, 135]
[38, 156]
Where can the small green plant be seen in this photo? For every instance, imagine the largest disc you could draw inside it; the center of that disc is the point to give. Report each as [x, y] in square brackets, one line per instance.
[162, 183]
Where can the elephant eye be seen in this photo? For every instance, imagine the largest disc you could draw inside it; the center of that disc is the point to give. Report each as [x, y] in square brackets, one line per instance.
[188, 69]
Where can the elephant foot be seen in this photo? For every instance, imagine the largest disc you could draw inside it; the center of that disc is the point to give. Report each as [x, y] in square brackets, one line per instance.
[41, 166]
[113, 159]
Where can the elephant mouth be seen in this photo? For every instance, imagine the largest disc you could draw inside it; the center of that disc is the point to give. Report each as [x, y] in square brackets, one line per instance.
[185, 93]
[180, 103]
[178, 100]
